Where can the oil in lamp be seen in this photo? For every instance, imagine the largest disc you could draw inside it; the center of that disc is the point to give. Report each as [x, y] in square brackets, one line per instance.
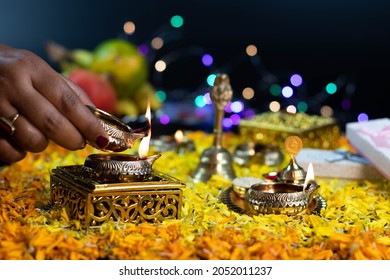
[114, 186]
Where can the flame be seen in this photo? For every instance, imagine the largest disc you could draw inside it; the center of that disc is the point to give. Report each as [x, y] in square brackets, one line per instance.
[179, 135]
[269, 190]
[309, 175]
[143, 149]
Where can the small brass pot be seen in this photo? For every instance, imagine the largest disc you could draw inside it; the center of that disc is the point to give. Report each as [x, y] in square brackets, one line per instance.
[280, 197]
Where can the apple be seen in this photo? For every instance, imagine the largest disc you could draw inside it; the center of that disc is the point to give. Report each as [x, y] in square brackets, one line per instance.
[97, 87]
[126, 67]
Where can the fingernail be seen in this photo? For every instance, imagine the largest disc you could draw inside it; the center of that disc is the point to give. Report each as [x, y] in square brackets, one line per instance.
[83, 145]
[101, 141]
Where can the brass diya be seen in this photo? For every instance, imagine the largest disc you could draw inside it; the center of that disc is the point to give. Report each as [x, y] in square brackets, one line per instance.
[116, 187]
[241, 185]
[292, 192]
[121, 136]
[266, 154]
[116, 167]
[280, 198]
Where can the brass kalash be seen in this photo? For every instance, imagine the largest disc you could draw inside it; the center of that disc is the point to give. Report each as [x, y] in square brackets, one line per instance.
[114, 186]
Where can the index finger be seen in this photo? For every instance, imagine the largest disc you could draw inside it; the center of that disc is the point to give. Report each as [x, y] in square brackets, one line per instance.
[71, 104]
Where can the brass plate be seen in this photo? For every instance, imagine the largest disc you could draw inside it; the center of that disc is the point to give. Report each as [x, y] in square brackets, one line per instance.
[240, 206]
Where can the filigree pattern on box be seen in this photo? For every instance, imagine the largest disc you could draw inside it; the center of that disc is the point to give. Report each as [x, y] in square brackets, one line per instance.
[92, 203]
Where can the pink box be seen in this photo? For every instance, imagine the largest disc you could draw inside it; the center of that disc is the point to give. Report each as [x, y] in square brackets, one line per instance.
[372, 140]
[337, 164]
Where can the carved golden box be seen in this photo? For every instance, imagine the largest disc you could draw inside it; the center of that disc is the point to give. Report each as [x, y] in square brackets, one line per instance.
[153, 199]
[274, 127]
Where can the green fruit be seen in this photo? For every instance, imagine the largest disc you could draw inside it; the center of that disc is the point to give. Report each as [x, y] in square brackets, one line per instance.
[122, 61]
[143, 94]
[81, 57]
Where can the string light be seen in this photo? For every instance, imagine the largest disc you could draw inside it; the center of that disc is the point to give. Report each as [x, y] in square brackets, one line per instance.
[302, 106]
[274, 106]
[157, 43]
[251, 50]
[326, 111]
[287, 92]
[211, 79]
[164, 119]
[160, 66]
[248, 93]
[207, 59]
[331, 88]
[269, 83]
[177, 21]
[291, 109]
[275, 89]
[161, 95]
[362, 117]
[296, 80]
[129, 27]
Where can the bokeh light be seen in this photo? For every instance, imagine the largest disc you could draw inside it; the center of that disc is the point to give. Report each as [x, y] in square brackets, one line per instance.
[199, 101]
[177, 21]
[211, 79]
[296, 80]
[251, 50]
[129, 27]
[302, 106]
[291, 109]
[160, 65]
[326, 111]
[161, 95]
[237, 106]
[228, 108]
[274, 106]
[331, 88]
[157, 43]
[164, 119]
[227, 123]
[207, 98]
[248, 93]
[143, 49]
[346, 104]
[249, 114]
[207, 60]
[362, 117]
[275, 89]
[287, 92]
[235, 118]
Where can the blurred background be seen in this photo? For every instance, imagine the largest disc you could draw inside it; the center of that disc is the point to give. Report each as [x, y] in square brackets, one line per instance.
[327, 58]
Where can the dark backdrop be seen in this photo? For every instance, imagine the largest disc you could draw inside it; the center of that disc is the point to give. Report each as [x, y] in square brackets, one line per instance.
[321, 40]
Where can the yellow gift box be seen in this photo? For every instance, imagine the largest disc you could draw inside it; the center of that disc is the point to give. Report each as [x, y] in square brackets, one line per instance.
[274, 127]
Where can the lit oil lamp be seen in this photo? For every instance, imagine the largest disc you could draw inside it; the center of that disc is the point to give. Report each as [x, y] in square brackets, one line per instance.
[251, 152]
[121, 136]
[281, 197]
[183, 143]
[164, 143]
[122, 167]
[291, 191]
[117, 187]
[178, 143]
